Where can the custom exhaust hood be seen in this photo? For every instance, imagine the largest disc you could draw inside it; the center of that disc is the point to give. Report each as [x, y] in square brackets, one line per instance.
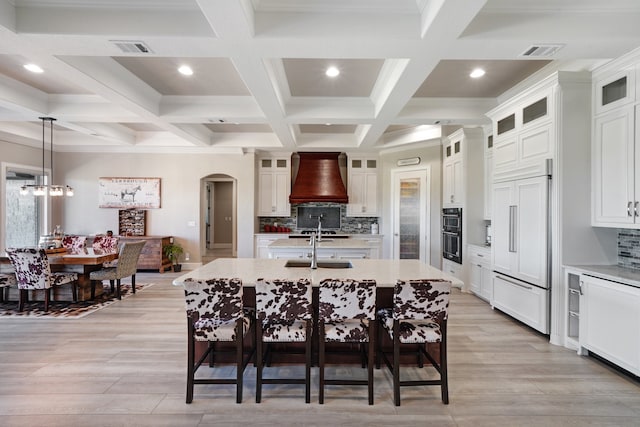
[318, 177]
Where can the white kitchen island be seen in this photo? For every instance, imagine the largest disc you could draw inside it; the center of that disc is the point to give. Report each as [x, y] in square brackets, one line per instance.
[384, 271]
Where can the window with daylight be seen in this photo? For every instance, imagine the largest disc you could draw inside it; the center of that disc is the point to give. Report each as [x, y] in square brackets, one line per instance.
[25, 216]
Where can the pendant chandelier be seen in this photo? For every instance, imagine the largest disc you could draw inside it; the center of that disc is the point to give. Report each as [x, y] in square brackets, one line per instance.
[42, 189]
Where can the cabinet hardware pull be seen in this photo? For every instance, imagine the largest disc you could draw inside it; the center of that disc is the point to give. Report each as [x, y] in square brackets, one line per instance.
[629, 209]
[580, 287]
[512, 228]
[635, 209]
[480, 255]
[479, 265]
[515, 283]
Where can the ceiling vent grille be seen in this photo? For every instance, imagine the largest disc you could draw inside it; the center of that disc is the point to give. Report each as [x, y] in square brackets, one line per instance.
[132, 46]
[541, 50]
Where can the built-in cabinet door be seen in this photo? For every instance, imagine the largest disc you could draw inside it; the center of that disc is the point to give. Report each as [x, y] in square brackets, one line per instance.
[613, 154]
[363, 187]
[488, 176]
[475, 278]
[609, 316]
[486, 284]
[503, 254]
[274, 183]
[519, 244]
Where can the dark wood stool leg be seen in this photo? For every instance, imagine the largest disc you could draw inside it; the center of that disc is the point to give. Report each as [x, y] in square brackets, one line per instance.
[239, 364]
[118, 289]
[370, 360]
[321, 361]
[47, 296]
[133, 283]
[21, 299]
[259, 361]
[396, 362]
[190, 360]
[307, 373]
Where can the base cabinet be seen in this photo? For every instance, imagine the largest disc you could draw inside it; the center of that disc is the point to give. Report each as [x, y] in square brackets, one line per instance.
[609, 319]
[479, 260]
[524, 302]
[453, 268]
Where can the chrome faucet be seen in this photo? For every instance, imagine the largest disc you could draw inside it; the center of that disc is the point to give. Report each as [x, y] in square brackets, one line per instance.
[319, 232]
[314, 252]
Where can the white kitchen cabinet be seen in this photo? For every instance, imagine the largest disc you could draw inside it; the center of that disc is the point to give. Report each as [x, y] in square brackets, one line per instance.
[614, 90]
[615, 157]
[519, 225]
[374, 243]
[452, 166]
[527, 303]
[480, 282]
[362, 187]
[262, 242]
[453, 268]
[488, 175]
[274, 186]
[573, 295]
[523, 136]
[321, 253]
[609, 316]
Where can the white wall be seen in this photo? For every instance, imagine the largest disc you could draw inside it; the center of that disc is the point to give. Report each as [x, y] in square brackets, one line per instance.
[430, 155]
[180, 193]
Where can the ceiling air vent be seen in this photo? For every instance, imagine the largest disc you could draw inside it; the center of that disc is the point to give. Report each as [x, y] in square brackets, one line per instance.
[132, 46]
[542, 50]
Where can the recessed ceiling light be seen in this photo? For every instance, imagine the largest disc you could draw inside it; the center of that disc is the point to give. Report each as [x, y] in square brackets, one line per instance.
[33, 68]
[476, 73]
[185, 70]
[332, 71]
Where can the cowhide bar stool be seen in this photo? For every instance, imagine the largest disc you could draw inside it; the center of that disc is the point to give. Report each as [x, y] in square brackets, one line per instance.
[346, 314]
[215, 314]
[418, 317]
[283, 315]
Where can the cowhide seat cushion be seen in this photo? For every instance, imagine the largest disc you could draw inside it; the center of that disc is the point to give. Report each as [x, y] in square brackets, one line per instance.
[284, 308]
[418, 305]
[216, 304]
[346, 306]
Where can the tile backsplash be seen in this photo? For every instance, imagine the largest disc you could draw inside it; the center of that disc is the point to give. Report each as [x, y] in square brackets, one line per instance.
[629, 248]
[347, 224]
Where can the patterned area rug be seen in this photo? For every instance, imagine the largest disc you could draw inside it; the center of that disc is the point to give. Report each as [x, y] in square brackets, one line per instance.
[68, 309]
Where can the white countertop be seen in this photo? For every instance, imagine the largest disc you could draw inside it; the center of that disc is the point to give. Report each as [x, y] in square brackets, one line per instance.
[325, 243]
[616, 273]
[384, 271]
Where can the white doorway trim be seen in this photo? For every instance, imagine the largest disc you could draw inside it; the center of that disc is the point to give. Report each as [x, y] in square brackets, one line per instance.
[424, 174]
[203, 238]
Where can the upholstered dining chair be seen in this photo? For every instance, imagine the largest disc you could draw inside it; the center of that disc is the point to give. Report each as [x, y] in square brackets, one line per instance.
[33, 273]
[6, 281]
[73, 242]
[214, 314]
[418, 317]
[127, 266]
[346, 314]
[105, 243]
[283, 314]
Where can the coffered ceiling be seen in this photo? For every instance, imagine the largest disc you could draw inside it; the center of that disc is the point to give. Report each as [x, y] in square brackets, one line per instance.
[259, 66]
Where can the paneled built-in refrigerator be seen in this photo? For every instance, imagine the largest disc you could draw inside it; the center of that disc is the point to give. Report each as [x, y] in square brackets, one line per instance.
[521, 251]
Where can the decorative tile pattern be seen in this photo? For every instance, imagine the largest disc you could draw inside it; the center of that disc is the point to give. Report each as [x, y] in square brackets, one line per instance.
[629, 248]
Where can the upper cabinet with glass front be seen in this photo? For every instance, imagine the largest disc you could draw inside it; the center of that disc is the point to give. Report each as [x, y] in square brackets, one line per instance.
[362, 186]
[274, 186]
[614, 90]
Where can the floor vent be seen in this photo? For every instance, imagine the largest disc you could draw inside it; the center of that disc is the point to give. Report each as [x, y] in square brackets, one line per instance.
[132, 46]
[542, 50]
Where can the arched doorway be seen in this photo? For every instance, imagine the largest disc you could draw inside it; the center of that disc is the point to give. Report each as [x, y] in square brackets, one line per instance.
[219, 216]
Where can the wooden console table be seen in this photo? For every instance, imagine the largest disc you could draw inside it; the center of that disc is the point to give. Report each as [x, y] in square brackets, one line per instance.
[152, 256]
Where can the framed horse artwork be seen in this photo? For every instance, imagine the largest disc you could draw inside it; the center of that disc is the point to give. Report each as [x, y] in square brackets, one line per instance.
[129, 193]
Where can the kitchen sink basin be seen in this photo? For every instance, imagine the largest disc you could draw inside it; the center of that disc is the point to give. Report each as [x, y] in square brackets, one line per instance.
[321, 264]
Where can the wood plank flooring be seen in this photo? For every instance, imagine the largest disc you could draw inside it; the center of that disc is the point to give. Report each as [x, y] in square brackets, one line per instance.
[125, 366]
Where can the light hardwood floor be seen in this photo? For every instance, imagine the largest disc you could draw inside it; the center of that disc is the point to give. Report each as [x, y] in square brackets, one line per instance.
[125, 366]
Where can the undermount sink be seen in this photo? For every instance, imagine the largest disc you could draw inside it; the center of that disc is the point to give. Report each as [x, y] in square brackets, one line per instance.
[321, 240]
[321, 264]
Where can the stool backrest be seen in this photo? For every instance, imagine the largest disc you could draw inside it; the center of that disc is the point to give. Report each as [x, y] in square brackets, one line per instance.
[341, 299]
[108, 244]
[421, 299]
[283, 301]
[71, 242]
[218, 298]
[31, 267]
